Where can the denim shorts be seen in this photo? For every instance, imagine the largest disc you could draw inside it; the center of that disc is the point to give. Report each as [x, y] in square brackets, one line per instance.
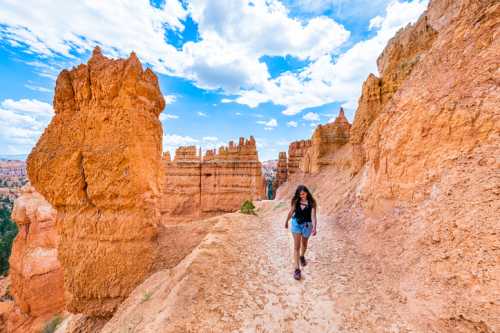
[305, 228]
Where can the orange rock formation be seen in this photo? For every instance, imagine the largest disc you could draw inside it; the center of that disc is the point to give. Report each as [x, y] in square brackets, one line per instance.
[325, 141]
[420, 200]
[219, 182]
[35, 272]
[98, 164]
[296, 152]
[282, 172]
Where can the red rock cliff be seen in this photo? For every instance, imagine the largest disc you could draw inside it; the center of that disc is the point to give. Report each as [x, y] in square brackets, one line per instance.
[98, 164]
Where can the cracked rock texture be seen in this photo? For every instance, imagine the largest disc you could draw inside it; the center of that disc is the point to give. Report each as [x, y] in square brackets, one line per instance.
[98, 164]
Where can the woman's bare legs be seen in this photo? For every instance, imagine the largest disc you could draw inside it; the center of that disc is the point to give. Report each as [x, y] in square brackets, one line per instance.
[296, 249]
[303, 248]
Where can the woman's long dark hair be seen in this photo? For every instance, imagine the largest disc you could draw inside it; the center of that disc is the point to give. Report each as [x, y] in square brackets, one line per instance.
[296, 197]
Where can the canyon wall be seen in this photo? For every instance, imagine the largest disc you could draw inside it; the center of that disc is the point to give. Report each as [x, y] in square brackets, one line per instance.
[98, 165]
[35, 272]
[421, 197]
[194, 186]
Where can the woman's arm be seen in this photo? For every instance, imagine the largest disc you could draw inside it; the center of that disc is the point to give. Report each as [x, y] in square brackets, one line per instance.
[290, 213]
[314, 221]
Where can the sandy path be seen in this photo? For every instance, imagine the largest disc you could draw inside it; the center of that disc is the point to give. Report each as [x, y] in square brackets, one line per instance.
[239, 279]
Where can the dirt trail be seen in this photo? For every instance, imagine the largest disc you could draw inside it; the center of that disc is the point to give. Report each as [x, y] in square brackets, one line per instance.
[239, 279]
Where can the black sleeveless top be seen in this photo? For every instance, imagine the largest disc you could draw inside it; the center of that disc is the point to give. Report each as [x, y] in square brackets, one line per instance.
[302, 215]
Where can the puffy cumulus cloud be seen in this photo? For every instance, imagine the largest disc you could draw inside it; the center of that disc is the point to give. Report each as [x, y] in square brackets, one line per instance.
[210, 138]
[292, 123]
[311, 116]
[326, 80]
[268, 125]
[21, 123]
[28, 106]
[263, 27]
[50, 28]
[233, 36]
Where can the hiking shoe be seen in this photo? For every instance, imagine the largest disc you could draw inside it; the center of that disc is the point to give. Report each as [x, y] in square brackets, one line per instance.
[303, 261]
[296, 274]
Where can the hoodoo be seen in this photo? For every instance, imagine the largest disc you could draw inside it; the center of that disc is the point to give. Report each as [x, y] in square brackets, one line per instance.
[98, 164]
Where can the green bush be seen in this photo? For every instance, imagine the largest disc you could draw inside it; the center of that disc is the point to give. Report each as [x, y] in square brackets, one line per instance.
[248, 208]
[8, 231]
[51, 325]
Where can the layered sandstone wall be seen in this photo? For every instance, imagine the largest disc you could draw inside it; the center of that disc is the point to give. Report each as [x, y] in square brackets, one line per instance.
[421, 200]
[195, 186]
[98, 164]
[282, 170]
[181, 184]
[231, 176]
[296, 152]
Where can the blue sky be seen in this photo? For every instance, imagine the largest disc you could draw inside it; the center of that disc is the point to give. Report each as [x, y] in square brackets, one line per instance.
[228, 68]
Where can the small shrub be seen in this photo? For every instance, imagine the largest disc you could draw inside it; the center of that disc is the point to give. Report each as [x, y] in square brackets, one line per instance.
[146, 297]
[51, 325]
[248, 208]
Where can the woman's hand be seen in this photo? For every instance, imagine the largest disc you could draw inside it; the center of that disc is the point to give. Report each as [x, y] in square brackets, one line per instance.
[286, 224]
[314, 231]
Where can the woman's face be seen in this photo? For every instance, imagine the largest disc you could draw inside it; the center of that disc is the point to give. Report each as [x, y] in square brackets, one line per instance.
[303, 195]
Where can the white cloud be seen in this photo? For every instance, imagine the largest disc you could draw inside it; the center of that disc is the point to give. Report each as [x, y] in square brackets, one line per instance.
[238, 113]
[271, 123]
[376, 22]
[210, 138]
[22, 122]
[169, 99]
[174, 139]
[233, 36]
[168, 116]
[292, 123]
[326, 80]
[202, 114]
[311, 116]
[268, 125]
[37, 88]
[28, 105]
[226, 100]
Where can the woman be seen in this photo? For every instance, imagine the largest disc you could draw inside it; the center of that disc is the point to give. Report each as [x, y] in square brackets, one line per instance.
[303, 214]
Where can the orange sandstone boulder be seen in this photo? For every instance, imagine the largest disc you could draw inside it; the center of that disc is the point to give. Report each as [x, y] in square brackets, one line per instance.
[98, 164]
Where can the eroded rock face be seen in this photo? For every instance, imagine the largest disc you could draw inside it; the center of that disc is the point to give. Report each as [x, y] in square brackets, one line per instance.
[98, 164]
[282, 171]
[296, 152]
[181, 184]
[231, 176]
[35, 272]
[395, 64]
[195, 186]
[325, 141]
